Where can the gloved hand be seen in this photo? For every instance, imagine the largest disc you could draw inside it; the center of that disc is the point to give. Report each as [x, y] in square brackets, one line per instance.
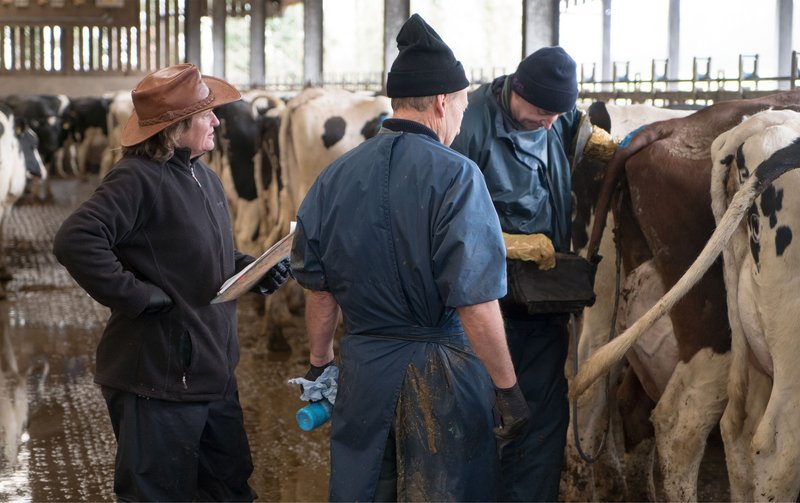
[275, 277]
[514, 415]
[534, 247]
[159, 301]
[314, 372]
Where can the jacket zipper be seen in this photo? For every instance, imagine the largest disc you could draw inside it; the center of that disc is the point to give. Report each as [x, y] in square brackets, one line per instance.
[191, 170]
[183, 379]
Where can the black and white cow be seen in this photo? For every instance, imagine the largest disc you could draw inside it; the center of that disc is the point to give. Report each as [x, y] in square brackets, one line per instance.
[19, 159]
[317, 126]
[84, 133]
[762, 265]
[236, 160]
[43, 114]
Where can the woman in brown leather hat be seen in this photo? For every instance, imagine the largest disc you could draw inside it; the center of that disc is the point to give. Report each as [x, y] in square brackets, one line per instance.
[154, 243]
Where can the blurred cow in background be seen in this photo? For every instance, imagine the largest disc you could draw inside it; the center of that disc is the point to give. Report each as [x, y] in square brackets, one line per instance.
[317, 126]
[19, 160]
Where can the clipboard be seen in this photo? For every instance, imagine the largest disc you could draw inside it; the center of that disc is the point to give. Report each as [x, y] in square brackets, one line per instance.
[241, 282]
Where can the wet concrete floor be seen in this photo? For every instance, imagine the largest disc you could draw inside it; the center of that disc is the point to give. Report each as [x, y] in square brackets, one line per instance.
[50, 330]
[62, 447]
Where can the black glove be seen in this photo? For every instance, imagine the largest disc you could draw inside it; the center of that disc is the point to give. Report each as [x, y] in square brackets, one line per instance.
[514, 415]
[159, 301]
[275, 277]
[314, 372]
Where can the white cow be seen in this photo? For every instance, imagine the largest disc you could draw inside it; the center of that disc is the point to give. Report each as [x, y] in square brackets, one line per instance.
[18, 158]
[120, 108]
[762, 261]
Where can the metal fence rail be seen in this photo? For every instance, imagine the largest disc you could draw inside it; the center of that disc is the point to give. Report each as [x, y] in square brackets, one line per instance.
[700, 88]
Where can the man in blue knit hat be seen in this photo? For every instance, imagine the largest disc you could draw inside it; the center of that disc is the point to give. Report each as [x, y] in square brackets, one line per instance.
[400, 235]
[519, 130]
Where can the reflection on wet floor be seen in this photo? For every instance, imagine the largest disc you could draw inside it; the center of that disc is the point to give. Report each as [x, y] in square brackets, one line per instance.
[50, 329]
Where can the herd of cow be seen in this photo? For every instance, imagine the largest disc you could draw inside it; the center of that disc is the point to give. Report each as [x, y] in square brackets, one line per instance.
[722, 354]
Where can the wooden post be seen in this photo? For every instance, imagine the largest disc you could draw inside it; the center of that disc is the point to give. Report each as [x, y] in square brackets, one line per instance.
[785, 12]
[257, 41]
[395, 13]
[674, 37]
[219, 15]
[539, 24]
[312, 42]
[606, 75]
[192, 30]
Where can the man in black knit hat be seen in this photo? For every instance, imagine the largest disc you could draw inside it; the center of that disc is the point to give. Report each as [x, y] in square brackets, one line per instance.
[400, 234]
[519, 130]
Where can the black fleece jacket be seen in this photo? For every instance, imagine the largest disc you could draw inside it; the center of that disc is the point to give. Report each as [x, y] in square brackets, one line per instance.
[166, 224]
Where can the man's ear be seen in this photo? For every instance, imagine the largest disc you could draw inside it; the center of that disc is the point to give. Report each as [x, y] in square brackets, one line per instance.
[439, 104]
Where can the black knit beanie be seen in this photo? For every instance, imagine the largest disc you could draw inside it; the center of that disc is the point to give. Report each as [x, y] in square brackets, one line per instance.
[547, 79]
[425, 66]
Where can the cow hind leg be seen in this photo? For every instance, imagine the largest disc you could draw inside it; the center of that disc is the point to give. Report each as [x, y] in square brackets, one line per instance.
[738, 428]
[690, 407]
[634, 408]
[776, 452]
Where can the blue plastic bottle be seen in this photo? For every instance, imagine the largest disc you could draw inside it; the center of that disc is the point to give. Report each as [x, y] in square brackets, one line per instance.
[313, 415]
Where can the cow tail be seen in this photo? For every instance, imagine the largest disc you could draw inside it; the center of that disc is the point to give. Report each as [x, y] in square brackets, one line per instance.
[722, 156]
[630, 145]
[607, 356]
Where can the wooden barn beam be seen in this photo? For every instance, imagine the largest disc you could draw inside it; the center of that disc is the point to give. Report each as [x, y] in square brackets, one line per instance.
[219, 15]
[395, 13]
[674, 40]
[312, 42]
[539, 24]
[257, 41]
[785, 10]
[606, 68]
[192, 30]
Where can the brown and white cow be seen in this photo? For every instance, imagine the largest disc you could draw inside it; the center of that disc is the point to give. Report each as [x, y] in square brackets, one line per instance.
[616, 472]
[665, 219]
[317, 126]
[762, 261]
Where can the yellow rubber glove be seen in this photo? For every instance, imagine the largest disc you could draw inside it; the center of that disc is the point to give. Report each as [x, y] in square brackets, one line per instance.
[533, 247]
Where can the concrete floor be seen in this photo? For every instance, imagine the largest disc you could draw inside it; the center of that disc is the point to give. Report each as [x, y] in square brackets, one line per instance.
[50, 329]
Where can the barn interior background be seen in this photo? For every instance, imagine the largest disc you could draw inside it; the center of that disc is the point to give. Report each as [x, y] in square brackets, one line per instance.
[665, 52]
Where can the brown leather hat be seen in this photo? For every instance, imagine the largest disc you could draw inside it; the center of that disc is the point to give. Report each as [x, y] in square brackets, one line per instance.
[172, 94]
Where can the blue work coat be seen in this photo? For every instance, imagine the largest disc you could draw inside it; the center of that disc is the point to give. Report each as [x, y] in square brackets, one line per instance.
[401, 231]
[527, 172]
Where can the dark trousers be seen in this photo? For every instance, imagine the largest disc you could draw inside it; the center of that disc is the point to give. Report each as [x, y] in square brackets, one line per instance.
[179, 451]
[531, 465]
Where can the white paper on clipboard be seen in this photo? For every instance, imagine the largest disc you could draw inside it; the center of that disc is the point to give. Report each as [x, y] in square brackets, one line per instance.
[241, 282]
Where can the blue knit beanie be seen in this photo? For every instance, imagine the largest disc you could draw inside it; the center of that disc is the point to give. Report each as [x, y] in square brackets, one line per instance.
[547, 79]
[425, 65]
